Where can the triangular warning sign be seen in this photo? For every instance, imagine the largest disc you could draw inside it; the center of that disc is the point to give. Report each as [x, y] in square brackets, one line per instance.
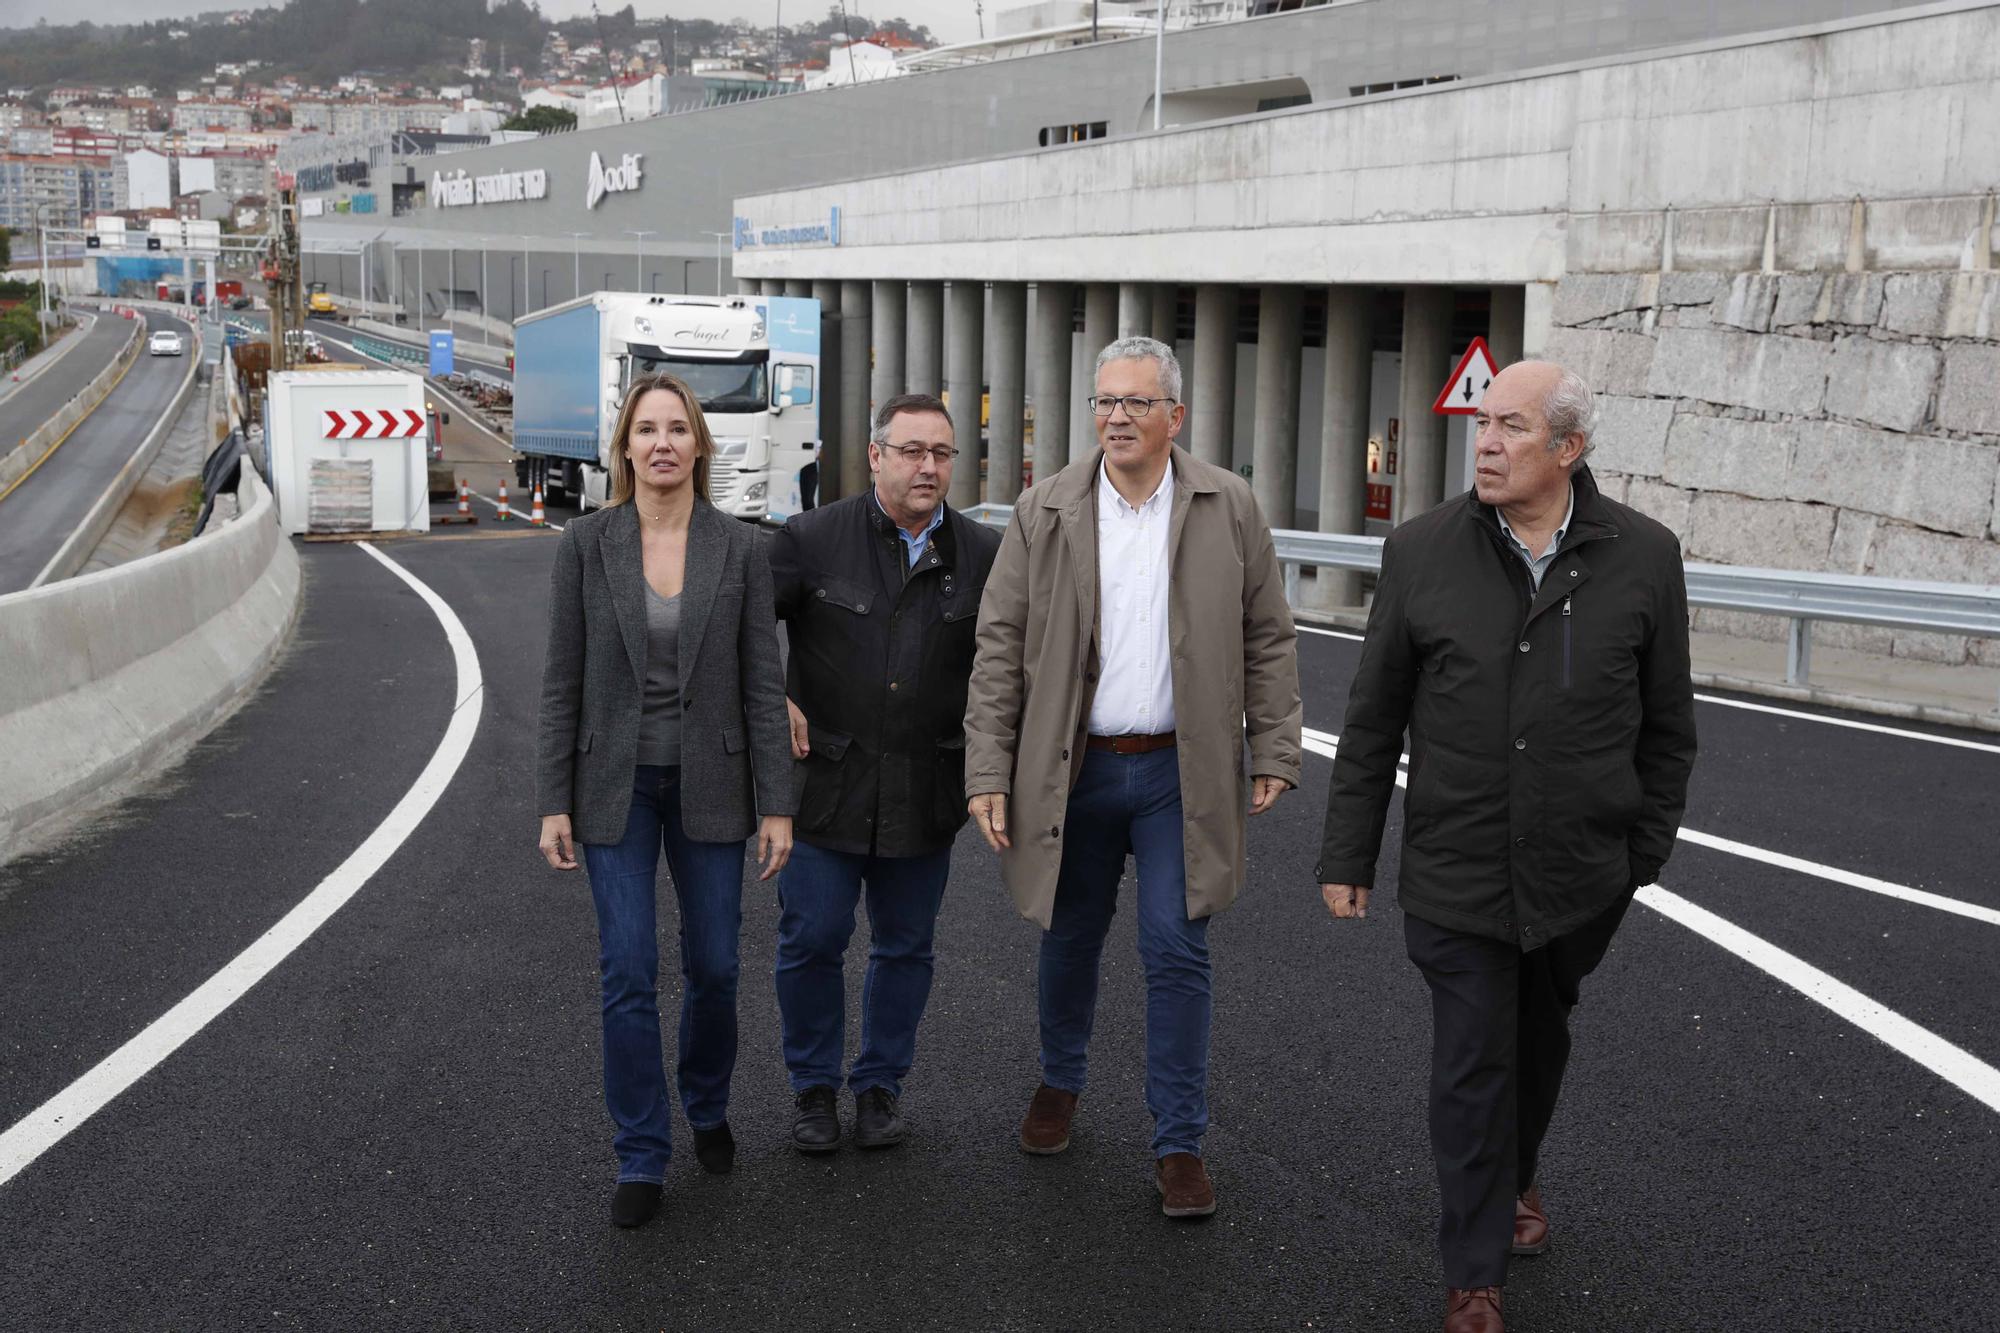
[1466, 389]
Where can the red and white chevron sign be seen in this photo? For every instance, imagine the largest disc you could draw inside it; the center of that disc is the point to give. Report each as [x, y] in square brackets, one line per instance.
[371, 423]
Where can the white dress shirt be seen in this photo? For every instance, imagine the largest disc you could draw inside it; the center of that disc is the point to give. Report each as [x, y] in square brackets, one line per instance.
[1135, 683]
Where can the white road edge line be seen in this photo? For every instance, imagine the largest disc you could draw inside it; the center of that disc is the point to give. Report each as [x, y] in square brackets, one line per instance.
[45, 1126]
[1903, 733]
[1326, 743]
[1954, 1064]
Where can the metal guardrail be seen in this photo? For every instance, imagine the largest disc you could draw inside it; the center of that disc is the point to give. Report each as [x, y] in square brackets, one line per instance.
[1801, 598]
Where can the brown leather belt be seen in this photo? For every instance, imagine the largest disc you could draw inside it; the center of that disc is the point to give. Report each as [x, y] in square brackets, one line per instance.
[1131, 744]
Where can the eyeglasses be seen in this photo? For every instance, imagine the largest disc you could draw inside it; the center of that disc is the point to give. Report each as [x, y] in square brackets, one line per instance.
[1134, 407]
[913, 454]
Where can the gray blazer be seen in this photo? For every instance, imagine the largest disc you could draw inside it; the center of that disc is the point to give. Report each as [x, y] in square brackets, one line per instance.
[736, 761]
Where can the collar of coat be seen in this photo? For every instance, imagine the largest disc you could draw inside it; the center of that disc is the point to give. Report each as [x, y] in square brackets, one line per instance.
[1592, 520]
[625, 567]
[943, 549]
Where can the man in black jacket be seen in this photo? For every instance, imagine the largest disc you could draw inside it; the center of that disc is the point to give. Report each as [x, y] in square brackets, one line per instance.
[1532, 637]
[880, 593]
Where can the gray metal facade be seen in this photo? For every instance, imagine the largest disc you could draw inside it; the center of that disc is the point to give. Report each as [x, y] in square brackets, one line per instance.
[695, 164]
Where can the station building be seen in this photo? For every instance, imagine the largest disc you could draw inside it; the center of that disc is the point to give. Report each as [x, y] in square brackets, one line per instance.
[1765, 233]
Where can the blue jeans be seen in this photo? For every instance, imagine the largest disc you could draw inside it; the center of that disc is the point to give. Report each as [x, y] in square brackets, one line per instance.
[1130, 804]
[708, 881]
[818, 892]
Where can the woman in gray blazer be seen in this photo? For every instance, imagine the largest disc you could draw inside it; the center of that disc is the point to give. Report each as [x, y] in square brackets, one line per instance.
[663, 728]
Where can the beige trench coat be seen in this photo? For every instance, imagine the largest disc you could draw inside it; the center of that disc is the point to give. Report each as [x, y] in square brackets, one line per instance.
[1235, 668]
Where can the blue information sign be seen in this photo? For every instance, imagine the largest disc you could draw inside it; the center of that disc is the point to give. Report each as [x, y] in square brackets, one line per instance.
[441, 346]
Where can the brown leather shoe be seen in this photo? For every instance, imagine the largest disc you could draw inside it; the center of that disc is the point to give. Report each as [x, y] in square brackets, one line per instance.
[1531, 1224]
[1184, 1187]
[1046, 1129]
[1475, 1311]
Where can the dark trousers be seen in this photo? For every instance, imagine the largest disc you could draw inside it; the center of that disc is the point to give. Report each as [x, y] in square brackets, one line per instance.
[1499, 1045]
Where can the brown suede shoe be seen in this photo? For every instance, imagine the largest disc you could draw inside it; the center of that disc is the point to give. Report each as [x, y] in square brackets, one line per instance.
[1531, 1224]
[1475, 1311]
[1046, 1129]
[1184, 1187]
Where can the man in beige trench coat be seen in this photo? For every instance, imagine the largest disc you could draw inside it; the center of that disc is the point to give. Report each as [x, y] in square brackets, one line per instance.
[1133, 633]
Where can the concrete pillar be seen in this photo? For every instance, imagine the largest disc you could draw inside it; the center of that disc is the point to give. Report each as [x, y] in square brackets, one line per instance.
[924, 338]
[1008, 333]
[1054, 345]
[855, 341]
[1275, 446]
[1100, 328]
[798, 287]
[965, 363]
[831, 467]
[749, 286]
[1343, 431]
[1166, 312]
[1212, 398]
[1426, 362]
[1135, 309]
[889, 306]
[1505, 324]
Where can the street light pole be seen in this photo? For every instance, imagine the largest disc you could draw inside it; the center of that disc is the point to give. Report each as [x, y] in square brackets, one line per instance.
[576, 261]
[1159, 57]
[42, 252]
[421, 312]
[639, 257]
[718, 235]
[526, 296]
[485, 303]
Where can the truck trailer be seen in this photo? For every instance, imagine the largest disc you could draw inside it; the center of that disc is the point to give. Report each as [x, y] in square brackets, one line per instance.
[752, 361]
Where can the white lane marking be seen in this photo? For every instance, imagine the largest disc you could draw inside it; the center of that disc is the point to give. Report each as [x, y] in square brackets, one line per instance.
[1850, 878]
[1901, 733]
[45, 1126]
[1326, 743]
[1953, 1064]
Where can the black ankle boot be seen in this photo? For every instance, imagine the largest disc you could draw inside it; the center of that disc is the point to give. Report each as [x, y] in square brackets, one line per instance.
[715, 1149]
[634, 1202]
[818, 1127]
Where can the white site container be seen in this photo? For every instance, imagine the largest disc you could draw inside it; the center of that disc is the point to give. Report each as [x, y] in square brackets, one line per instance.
[330, 485]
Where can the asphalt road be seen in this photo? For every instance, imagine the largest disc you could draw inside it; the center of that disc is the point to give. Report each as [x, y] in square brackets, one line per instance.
[25, 407]
[46, 508]
[401, 1126]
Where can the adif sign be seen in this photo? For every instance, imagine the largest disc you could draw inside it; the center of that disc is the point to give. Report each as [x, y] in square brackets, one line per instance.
[611, 180]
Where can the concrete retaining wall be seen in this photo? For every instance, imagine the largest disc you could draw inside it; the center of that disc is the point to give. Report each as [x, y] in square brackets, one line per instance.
[30, 450]
[132, 665]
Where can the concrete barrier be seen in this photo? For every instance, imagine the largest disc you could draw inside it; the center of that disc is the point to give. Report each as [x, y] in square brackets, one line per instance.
[34, 447]
[133, 665]
[75, 550]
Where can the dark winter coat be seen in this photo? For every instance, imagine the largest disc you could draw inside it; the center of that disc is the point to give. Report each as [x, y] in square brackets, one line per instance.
[879, 664]
[1551, 734]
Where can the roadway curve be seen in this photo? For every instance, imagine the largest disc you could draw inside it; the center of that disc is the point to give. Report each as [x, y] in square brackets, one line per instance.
[41, 513]
[28, 405]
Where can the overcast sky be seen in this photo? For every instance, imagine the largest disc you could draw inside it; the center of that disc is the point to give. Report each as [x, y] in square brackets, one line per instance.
[951, 20]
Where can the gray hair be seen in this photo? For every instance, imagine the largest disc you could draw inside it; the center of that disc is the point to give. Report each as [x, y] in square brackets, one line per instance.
[1571, 409]
[1146, 349]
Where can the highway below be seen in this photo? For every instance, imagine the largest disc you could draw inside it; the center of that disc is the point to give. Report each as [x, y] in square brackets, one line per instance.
[40, 513]
[1783, 1112]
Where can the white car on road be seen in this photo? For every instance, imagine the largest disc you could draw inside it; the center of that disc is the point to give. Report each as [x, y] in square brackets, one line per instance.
[165, 343]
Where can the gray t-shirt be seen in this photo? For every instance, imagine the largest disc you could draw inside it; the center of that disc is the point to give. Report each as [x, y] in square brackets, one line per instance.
[660, 715]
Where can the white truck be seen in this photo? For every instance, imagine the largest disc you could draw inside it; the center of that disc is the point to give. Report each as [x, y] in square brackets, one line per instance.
[752, 361]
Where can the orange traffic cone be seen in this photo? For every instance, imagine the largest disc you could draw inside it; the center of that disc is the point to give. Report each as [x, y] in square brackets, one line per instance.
[464, 514]
[505, 512]
[535, 516]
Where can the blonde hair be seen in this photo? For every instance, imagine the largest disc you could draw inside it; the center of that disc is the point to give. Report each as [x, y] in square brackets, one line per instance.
[623, 478]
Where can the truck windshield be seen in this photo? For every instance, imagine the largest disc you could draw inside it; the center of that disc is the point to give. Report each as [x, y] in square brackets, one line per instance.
[721, 387]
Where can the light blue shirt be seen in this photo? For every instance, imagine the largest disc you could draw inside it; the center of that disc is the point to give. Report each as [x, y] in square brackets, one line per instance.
[917, 545]
[1538, 565]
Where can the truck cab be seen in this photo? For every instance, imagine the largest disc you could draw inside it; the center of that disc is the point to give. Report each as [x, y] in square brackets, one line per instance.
[751, 362]
[318, 302]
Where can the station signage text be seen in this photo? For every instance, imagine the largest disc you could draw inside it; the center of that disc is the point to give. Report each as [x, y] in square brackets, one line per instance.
[750, 237]
[459, 190]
